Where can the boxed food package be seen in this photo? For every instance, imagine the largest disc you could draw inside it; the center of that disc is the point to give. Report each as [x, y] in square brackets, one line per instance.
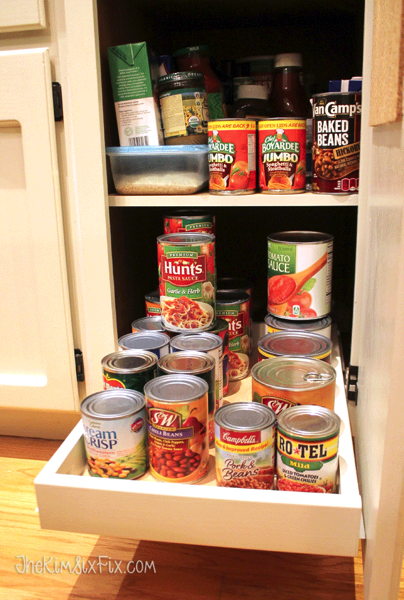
[134, 71]
[345, 85]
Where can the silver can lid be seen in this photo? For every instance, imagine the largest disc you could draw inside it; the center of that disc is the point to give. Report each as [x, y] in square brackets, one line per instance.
[144, 340]
[149, 323]
[129, 361]
[298, 324]
[245, 416]
[295, 343]
[309, 421]
[297, 374]
[112, 404]
[185, 239]
[184, 361]
[176, 388]
[203, 342]
[300, 237]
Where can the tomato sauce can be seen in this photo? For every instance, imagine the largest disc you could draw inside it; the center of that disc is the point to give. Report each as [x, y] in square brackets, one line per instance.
[221, 328]
[209, 343]
[114, 423]
[187, 280]
[336, 142]
[245, 446]
[128, 369]
[194, 363]
[177, 422]
[234, 307]
[232, 156]
[189, 221]
[320, 326]
[294, 343]
[282, 155]
[307, 450]
[283, 382]
[152, 301]
[300, 274]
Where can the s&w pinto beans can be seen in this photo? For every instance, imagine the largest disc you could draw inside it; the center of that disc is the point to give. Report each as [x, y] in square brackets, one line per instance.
[307, 450]
[232, 156]
[153, 341]
[282, 155]
[128, 369]
[115, 436]
[187, 280]
[336, 142]
[245, 446]
[177, 409]
[189, 221]
[300, 274]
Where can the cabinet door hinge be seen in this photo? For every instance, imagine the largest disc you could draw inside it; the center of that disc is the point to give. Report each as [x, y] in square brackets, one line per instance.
[351, 383]
[78, 355]
[57, 101]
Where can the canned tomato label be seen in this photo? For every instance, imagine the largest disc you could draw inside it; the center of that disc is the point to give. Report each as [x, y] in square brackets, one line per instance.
[283, 382]
[130, 369]
[282, 156]
[152, 301]
[232, 156]
[300, 274]
[307, 450]
[320, 326]
[187, 279]
[221, 328]
[336, 142]
[234, 307]
[177, 409]
[154, 341]
[189, 221]
[194, 363]
[294, 343]
[245, 446]
[115, 436]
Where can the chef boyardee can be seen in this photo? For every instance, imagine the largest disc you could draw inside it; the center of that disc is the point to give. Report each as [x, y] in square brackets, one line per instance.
[245, 445]
[114, 424]
[336, 142]
[294, 343]
[130, 369]
[221, 328]
[193, 363]
[177, 421]
[299, 274]
[187, 279]
[154, 341]
[234, 307]
[151, 323]
[307, 450]
[152, 301]
[320, 326]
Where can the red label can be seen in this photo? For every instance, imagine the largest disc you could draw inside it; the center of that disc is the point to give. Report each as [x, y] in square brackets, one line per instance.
[232, 156]
[282, 156]
[189, 221]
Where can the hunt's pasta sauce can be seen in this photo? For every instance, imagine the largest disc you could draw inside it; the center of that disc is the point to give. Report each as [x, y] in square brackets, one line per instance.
[234, 307]
[187, 280]
[189, 221]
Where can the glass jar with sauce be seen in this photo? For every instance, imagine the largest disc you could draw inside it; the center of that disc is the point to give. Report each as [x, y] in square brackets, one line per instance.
[196, 58]
[289, 97]
[252, 102]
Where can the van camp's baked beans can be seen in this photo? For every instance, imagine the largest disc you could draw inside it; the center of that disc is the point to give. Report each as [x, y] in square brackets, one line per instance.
[115, 436]
[282, 155]
[221, 328]
[187, 280]
[232, 156]
[336, 142]
[152, 301]
[177, 409]
[245, 446]
[189, 221]
[154, 341]
[234, 307]
[130, 369]
[148, 324]
[321, 326]
[307, 450]
[193, 363]
[294, 343]
[300, 274]
[283, 382]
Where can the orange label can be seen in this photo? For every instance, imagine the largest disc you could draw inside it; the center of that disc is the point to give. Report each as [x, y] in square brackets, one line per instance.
[232, 156]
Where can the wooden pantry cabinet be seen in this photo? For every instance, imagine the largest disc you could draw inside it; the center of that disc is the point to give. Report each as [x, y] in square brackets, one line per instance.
[80, 280]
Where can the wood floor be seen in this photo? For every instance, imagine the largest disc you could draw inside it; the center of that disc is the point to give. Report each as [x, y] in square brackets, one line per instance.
[28, 555]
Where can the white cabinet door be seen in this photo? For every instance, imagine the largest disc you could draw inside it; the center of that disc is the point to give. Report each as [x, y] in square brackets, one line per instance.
[36, 351]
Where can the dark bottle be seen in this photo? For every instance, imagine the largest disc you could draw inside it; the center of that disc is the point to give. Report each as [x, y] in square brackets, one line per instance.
[289, 97]
[252, 101]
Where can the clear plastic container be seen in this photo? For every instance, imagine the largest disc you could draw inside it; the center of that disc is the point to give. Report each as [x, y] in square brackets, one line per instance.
[154, 170]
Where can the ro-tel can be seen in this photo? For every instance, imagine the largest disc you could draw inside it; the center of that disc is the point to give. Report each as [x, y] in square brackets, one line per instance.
[221, 328]
[148, 324]
[177, 408]
[300, 274]
[307, 450]
[232, 156]
[189, 221]
[283, 382]
[154, 341]
[245, 445]
[115, 436]
[321, 326]
[234, 307]
[204, 342]
[187, 279]
[282, 155]
[152, 301]
[336, 142]
[194, 363]
[295, 343]
[130, 369]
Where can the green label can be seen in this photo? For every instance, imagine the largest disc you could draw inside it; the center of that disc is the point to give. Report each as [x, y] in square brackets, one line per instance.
[128, 369]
